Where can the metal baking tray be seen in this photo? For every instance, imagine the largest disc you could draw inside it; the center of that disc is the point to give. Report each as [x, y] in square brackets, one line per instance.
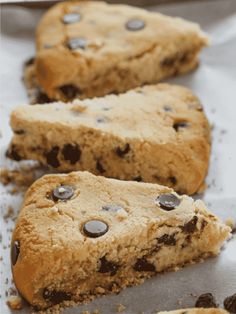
[214, 82]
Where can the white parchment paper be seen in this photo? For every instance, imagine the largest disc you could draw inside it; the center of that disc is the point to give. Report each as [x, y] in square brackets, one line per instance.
[215, 83]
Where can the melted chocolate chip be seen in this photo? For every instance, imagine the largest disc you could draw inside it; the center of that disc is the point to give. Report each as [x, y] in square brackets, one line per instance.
[190, 226]
[71, 153]
[167, 108]
[13, 154]
[42, 98]
[121, 152]
[180, 125]
[15, 251]
[206, 300]
[135, 25]
[56, 297]
[230, 303]
[107, 266]
[19, 132]
[143, 265]
[71, 18]
[70, 91]
[30, 61]
[173, 180]
[167, 201]
[167, 239]
[77, 43]
[51, 157]
[168, 61]
[138, 179]
[112, 207]
[62, 192]
[95, 228]
[99, 167]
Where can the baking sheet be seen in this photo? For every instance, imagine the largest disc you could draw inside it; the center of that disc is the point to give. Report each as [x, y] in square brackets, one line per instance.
[215, 83]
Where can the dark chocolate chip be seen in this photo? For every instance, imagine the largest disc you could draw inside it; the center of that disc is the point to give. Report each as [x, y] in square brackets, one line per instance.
[101, 119]
[71, 18]
[77, 43]
[13, 154]
[42, 98]
[30, 61]
[206, 300]
[69, 91]
[99, 167]
[56, 297]
[135, 25]
[15, 251]
[230, 303]
[62, 192]
[71, 153]
[51, 157]
[95, 228]
[107, 266]
[167, 201]
[167, 239]
[190, 226]
[180, 125]
[143, 265]
[173, 180]
[19, 132]
[112, 207]
[138, 179]
[168, 61]
[121, 152]
[167, 108]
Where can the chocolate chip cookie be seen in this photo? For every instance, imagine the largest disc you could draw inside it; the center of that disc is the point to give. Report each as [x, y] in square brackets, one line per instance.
[79, 235]
[156, 134]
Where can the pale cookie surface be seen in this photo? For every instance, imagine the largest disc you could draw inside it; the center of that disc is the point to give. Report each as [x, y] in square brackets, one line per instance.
[196, 311]
[80, 235]
[87, 49]
[156, 134]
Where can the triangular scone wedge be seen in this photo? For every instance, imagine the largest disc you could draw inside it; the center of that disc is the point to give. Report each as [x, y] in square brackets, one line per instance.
[88, 48]
[80, 235]
[196, 311]
[156, 134]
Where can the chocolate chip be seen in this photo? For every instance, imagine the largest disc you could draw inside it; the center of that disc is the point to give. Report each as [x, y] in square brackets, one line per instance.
[135, 25]
[112, 207]
[42, 98]
[167, 239]
[62, 192]
[15, 251]
[69, 91]
[180, 125]
[138, 179]
[169, 61]
[143, 265]
[19, 132]
[101, 119]
[13, 154]
[71, 18]
[107, 266]
[167, 201]
[173, 180]
[56, 297]
[167, 108]
[190, 226]
[230, 303]
[30, 61]
[71, 153]
[206, 300]
[106, 108]
[121, 152]
[95, 228]
[99, 167]
[77, 43]
[51, 157]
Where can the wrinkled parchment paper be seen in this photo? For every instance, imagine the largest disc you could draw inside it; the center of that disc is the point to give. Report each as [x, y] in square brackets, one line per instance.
[215, 83]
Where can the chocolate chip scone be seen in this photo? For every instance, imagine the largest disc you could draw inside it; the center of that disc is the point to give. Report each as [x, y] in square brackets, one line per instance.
[87, 49]
[80, 235]
[154, 134]
[196, 311]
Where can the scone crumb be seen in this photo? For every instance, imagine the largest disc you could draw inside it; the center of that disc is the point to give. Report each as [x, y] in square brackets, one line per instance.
[96, 311]
[100, 290]
[122, 214]
[85, 312]
[230, 222]
[15, 303]
[120, 308]
[20, 178]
